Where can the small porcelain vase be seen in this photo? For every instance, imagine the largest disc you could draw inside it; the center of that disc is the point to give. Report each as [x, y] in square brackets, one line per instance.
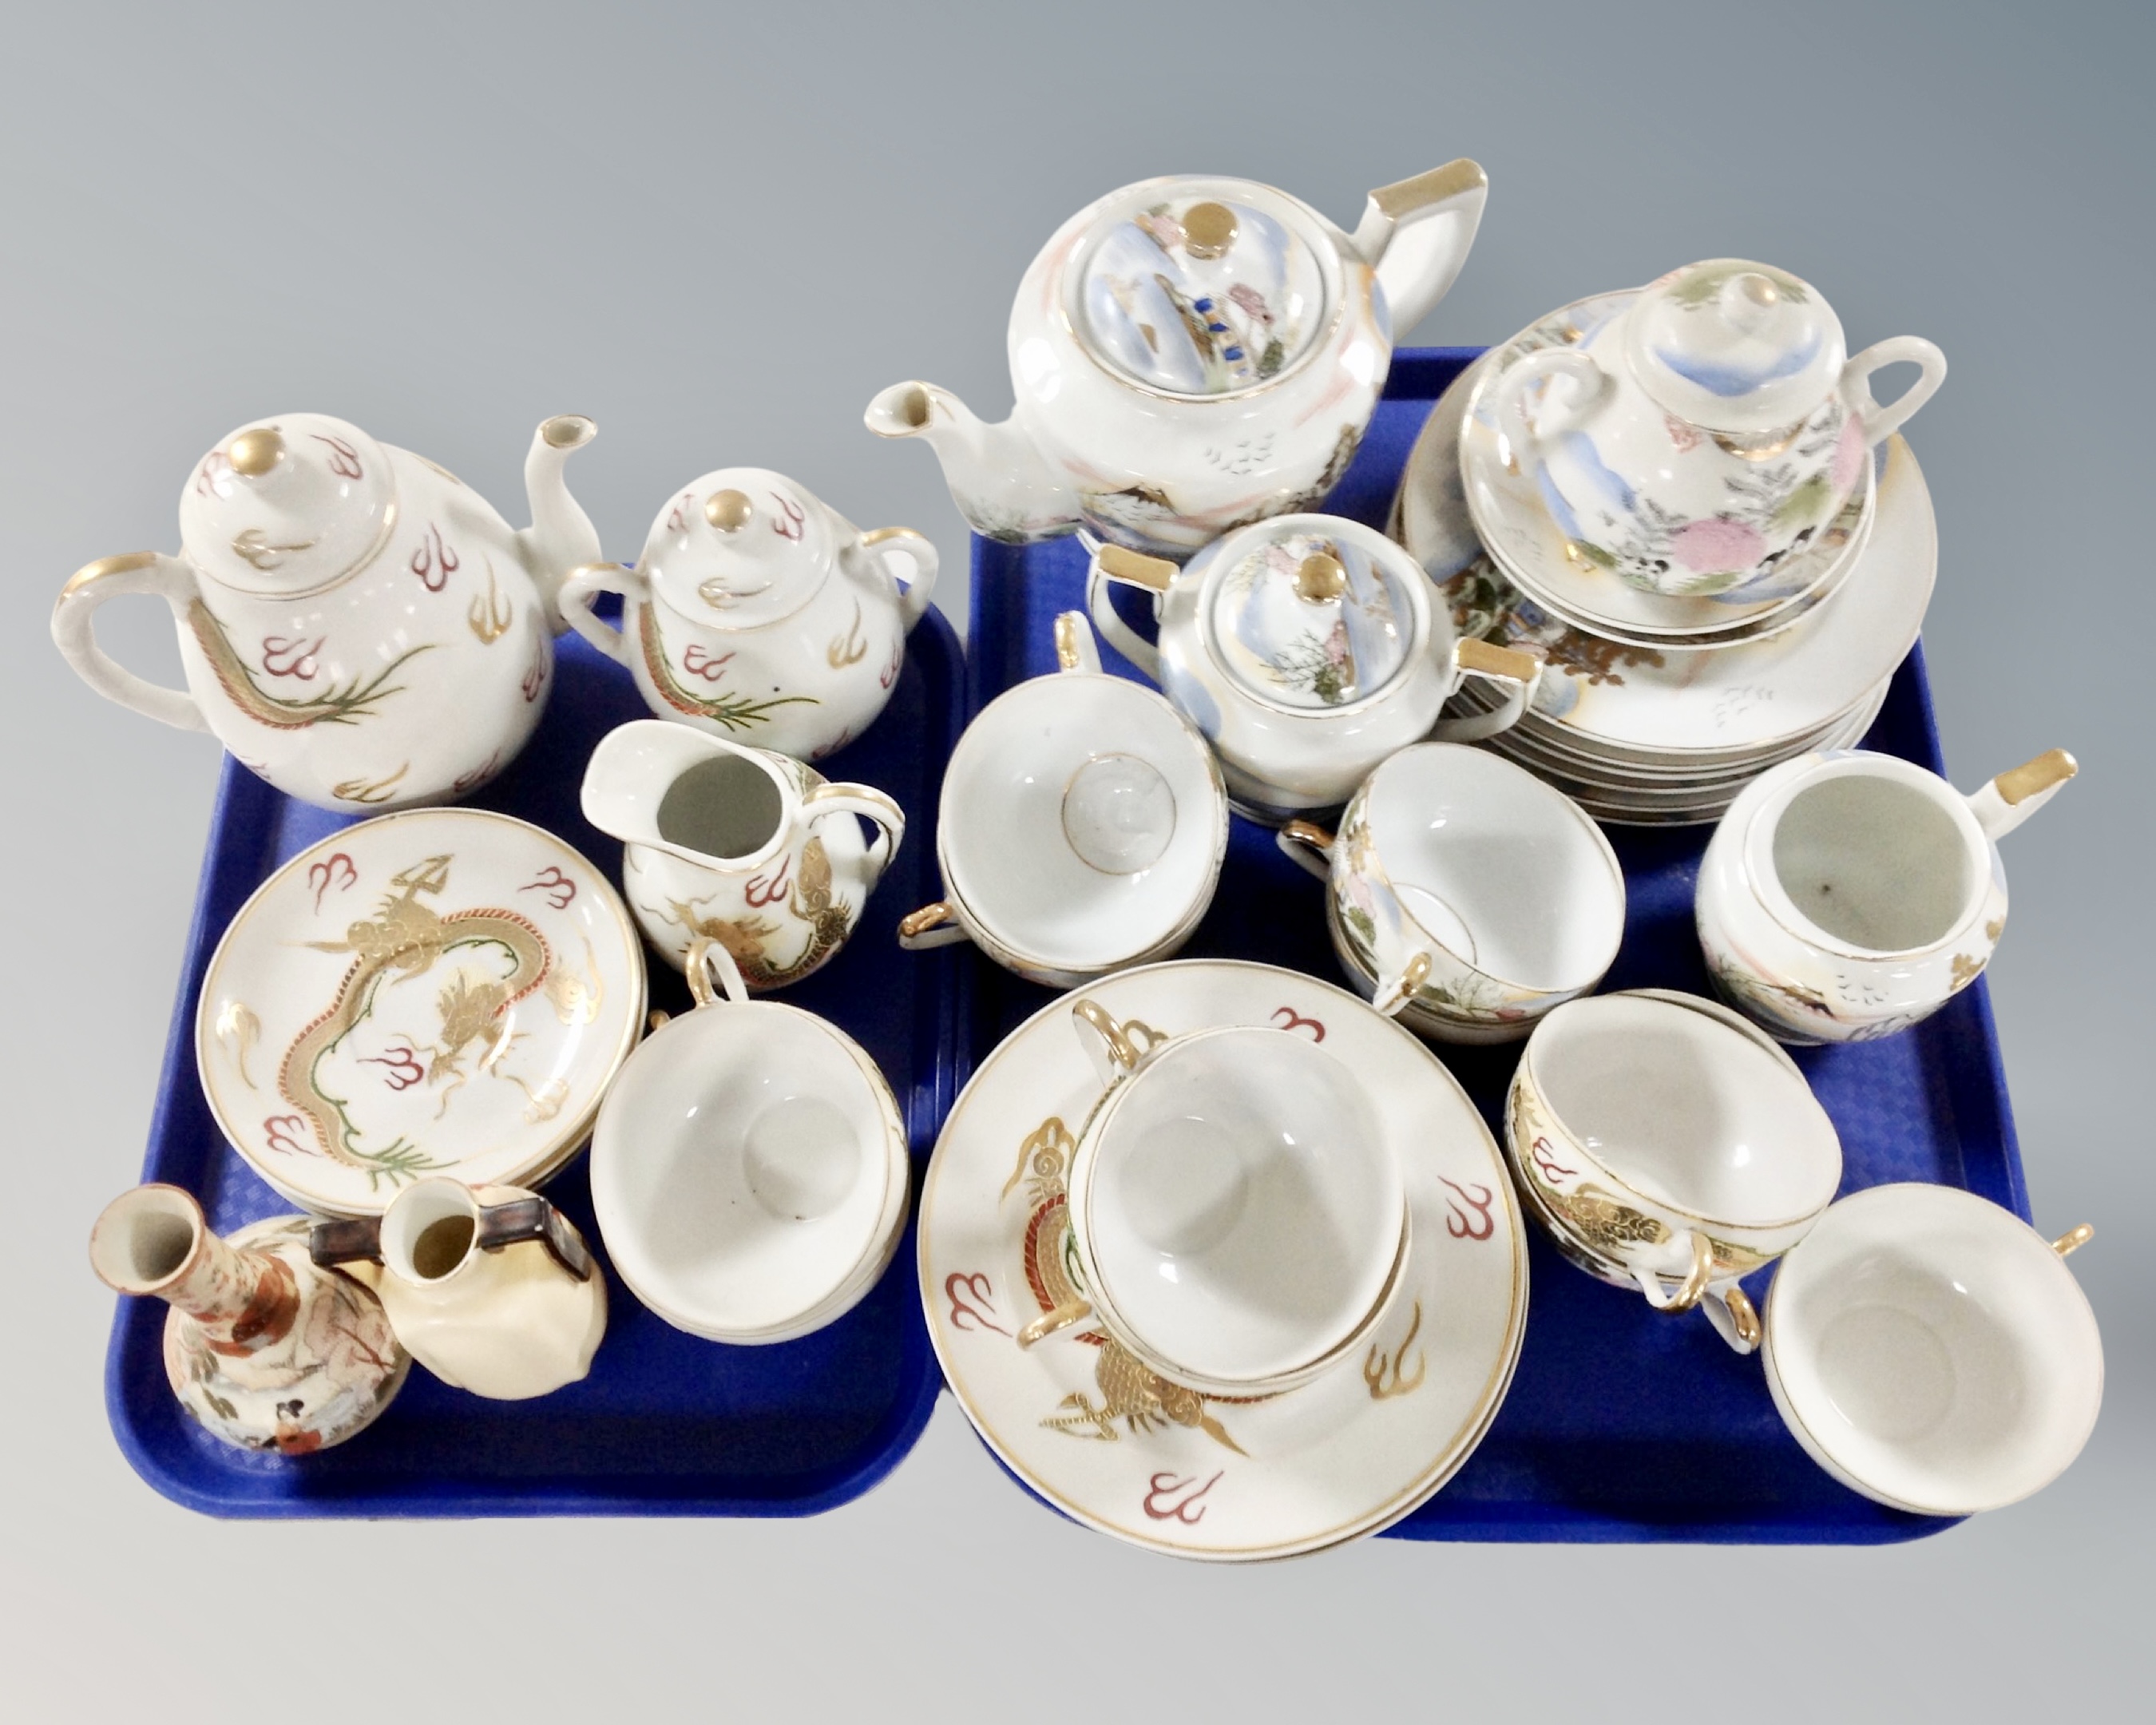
[1846, 896]
[758, 613]
[264, 1350]
[357, 626]
[743, 846]
[1690, 444]
[490, 1288]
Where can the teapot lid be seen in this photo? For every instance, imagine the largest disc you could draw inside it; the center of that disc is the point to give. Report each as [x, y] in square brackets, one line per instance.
[286, 506]
[1306, 613]
[1734, 347]
[1201, 287]
[739, 548]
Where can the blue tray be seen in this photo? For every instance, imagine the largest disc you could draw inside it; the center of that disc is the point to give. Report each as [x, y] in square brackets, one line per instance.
[1621, 1424]
[665, 1423]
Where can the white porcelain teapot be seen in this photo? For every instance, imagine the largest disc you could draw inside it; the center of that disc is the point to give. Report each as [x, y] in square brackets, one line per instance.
[1306, 648]
[759, 613]
[357, 626]
[1695, 440]
[1191, 353]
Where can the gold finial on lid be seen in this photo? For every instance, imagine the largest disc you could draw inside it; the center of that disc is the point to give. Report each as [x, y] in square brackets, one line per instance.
[1208, 229]
[1320, 578]
[1759, 289]
[254, 453]
[729, 512]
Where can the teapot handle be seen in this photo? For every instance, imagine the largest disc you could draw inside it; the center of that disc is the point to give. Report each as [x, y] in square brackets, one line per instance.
[920, 556]
[1514, 670]
[873, 806]
[1880, 422]
[1417, 234]
[74, 632]
[1112, 562]
[2019, 792]
[587, 583]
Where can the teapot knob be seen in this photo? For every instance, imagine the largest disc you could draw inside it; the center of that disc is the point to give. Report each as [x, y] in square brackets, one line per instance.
[1747, 299]
[1208, 229]
[729, 510]
[1319, 578]
[254, 453]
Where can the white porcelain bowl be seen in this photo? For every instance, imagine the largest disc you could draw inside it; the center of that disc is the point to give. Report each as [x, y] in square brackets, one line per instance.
[1082, 825]
[1239, 1214]
[1932, 1351]
[749, 1172]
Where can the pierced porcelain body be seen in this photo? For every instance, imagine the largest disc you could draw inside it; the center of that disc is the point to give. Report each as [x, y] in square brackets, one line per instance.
[1922, 890]
[1709, 429]
[760, 613]
[508, 1324]
[744, 846]
[1190, 354]
[356, 625]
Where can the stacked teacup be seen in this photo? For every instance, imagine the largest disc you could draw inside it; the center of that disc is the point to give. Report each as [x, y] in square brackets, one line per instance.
[1685, 498]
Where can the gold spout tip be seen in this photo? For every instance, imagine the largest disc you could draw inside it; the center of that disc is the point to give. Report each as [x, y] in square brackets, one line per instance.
[255, 451]
[2019, 784]
[568, 431]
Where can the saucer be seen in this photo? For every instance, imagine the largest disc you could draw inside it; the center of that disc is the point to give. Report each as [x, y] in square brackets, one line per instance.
[441, 991]
[1094, 1435]
[1512, 519]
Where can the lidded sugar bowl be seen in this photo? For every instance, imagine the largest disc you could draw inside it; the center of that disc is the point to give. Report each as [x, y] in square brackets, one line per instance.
[356, 625]
[1718, 424]
[760, 613]
[1307, 650]
[1191, 353]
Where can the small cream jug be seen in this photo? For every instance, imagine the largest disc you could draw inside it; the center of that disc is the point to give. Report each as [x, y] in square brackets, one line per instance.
[758, 612]
[490, 1288]
[1847, 895]
[743, 846]
[357, 626]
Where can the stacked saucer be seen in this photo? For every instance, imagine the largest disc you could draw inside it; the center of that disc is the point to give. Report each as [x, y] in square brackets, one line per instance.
[1657, 709]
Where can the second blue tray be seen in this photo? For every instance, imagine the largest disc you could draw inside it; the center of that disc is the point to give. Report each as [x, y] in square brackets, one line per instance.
[1621, 1424]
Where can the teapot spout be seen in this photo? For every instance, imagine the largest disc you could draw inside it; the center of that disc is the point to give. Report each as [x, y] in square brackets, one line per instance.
[560, 538]
[996, 474]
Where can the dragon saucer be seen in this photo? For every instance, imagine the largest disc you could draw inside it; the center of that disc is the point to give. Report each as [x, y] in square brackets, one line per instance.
[439, 991]
[1152, 1462]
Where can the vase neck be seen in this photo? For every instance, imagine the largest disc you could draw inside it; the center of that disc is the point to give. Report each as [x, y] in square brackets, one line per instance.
[155, 1240]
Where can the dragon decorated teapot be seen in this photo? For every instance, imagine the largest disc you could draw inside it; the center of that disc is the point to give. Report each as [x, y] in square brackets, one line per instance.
[1714, 426]
[1191, 354]
[759, 613]
[356, 625]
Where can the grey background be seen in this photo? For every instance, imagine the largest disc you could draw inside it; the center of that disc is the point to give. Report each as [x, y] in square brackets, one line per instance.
[718, 230]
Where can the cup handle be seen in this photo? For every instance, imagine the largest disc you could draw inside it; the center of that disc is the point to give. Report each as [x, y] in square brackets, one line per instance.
[931, 926]
[1308, 846]
[1070, 1311]
[1112, 562]
[708, 962]
[585, 584]
[1735, 1319]
[2019, 792]
[1882, 423]
[1392, 996]
[1516, 670]
[1691, 1290]
[918, 551]
[1076, 649]
[874, 807]
[149, 571]
[1116, 1047]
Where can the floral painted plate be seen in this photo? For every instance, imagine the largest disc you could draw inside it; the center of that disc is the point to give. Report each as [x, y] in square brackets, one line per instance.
[1149, 1462]
[438, 991]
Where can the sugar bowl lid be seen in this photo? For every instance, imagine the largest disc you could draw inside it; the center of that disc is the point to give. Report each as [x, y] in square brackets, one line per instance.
[1735, 346]
[286, 506]
[1312, 611]
[1201, 287]
[739, 548]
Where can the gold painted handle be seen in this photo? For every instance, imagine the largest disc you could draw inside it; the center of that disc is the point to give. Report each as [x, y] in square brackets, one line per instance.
[1489, 659]
[2073, 1240]
[1075, 651]
[136, 571]
[705, 957]
[928, 916]
[1135, 568]
[1308, 846]
[1743, 1316]
[1070, 1312]
[1391, 999]
[1120, 1048]
[1691, 1290]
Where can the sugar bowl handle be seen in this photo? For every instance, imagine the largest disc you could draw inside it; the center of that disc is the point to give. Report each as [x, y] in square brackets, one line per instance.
[1112, 562]
[1882, 423]
[1513, 671]
[920, 556]
[587, 583]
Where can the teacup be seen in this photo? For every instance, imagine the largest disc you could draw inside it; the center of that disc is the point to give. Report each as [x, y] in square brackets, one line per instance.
[749, 1166]
[1081, 829]
[1668, 1146]
[1238, 1222]
[1931, 1350]
[1465, 895]
[1847, 895]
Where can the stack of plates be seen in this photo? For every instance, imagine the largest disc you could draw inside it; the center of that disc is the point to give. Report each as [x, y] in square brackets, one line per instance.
[1653, 711]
